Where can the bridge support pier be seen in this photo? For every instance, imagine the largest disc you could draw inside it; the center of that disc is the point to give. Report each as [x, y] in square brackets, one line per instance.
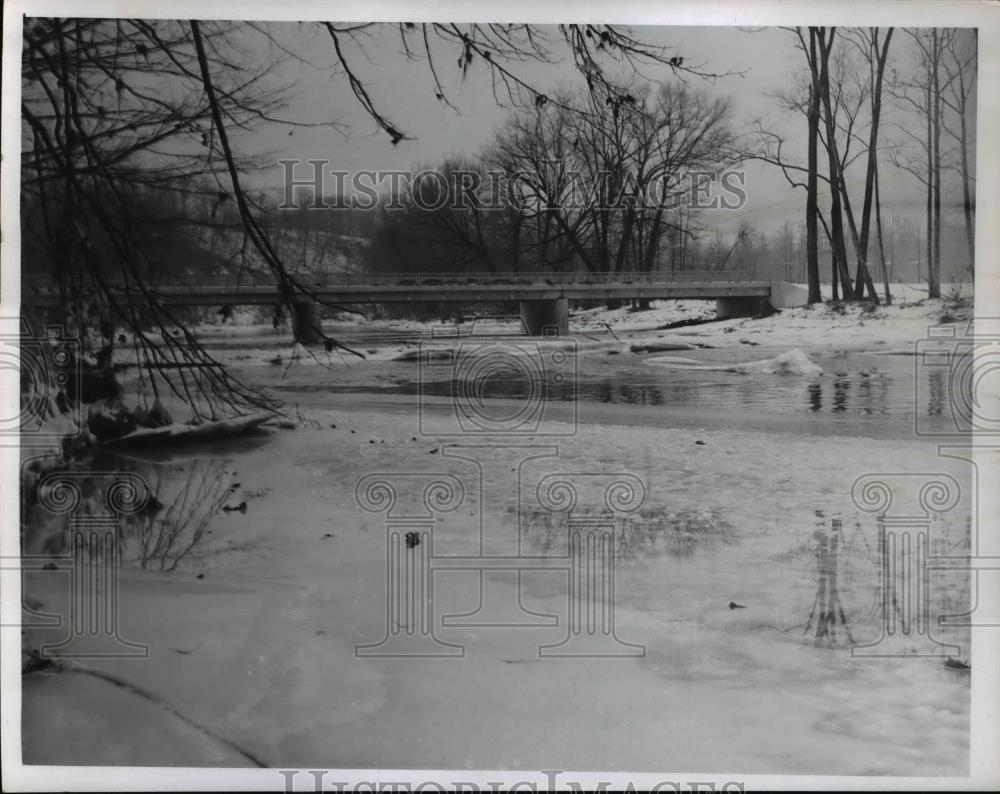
[306, 323]
[546, 317]
[744, 306]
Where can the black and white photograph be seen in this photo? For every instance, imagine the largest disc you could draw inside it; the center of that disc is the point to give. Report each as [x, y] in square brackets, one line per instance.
[500, 398]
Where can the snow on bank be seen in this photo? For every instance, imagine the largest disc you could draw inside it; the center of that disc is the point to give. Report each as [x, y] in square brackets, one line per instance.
[625, 318]
[846, 327]
[794, 362]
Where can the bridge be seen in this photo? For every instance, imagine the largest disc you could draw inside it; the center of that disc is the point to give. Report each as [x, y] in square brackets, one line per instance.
[544, 297]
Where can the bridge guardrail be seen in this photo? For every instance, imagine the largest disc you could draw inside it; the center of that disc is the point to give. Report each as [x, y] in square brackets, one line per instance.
[334, 280]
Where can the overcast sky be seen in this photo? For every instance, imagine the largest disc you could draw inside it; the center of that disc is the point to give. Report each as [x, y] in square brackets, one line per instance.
[762, 61]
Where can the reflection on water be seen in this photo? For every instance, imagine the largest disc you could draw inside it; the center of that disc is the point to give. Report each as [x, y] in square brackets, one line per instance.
[852, 385]
[863, 586]
[855, 388]
[935, 391]
[649, 533]
[185, 499]
[167, 529]
[841, 387]
[815, 397]
[859, 393]
[642, 394]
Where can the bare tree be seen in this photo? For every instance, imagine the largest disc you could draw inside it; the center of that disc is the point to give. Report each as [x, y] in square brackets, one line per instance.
[99, 130]
[846, 96]
[922, 94]
[881, 244]
[960, 66]
[443, 221]
[824, 40]
[812, 210]
[607, 180]
[876, 52]
[811, 97]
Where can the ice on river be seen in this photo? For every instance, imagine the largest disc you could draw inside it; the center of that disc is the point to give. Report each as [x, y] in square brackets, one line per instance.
[261, 652]
[794, 362]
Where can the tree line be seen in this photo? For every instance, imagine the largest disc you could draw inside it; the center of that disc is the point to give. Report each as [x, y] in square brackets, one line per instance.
[591, 183]
[841, 97]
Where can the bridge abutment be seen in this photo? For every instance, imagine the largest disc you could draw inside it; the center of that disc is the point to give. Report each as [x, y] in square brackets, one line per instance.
[739, 306]
[546, 317]
[788, 296]
[306, 322]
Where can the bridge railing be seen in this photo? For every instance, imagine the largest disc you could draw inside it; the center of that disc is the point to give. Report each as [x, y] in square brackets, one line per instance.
[536, 278]
[334, 280]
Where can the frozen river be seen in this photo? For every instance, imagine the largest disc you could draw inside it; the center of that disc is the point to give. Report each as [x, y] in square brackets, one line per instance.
[874, 392]
[265, 572]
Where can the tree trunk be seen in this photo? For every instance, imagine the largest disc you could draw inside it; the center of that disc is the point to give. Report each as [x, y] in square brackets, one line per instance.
[862, 276]
[970, 224]
[836, 212]
[918, 246]
[934, 277]
[930, 193]
[877, 60]
[834, 279]
[812, 229]
[878, 234]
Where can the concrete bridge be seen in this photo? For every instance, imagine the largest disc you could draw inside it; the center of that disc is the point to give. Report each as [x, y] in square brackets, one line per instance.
[543, 297]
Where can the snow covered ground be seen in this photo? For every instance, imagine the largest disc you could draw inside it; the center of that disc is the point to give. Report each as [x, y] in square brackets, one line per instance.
[252, 637]
[846, 327]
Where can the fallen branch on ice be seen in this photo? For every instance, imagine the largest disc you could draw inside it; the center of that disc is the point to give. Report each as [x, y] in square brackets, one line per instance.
[176, 433]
